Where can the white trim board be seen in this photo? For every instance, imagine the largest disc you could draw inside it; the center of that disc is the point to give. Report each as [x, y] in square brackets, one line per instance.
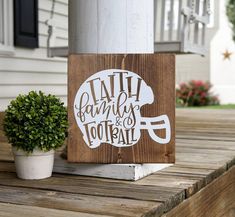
[113, 171]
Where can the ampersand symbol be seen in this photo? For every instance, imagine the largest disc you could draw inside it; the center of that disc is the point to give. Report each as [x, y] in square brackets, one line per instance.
[118, 122]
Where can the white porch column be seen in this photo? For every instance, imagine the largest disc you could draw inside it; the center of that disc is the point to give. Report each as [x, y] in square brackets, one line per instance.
[111, 26]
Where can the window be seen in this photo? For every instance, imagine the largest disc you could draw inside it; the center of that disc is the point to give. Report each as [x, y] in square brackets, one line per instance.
[26, 23]
[6, 27]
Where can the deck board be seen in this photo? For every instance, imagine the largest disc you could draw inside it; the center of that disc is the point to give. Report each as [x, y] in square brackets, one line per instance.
[205, 155]
[217, 199]
[74, 202]
[13, 210]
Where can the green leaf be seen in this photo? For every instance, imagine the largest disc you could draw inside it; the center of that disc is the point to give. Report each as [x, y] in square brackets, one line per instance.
[36, 120]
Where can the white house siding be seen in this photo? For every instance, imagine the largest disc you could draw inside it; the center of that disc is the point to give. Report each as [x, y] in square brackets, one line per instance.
[31, 69]
[192, 67]
[223, 70]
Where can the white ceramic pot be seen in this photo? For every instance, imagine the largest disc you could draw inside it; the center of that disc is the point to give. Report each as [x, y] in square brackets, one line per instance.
[36, 165]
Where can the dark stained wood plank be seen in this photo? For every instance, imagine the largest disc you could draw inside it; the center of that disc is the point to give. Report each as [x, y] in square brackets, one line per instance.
[98, 188]
[5, 153]
[2, 134]
[203, 176]
[230, 213]
[13, 210]
[76, 202]
[157, 70]
[2, 114]
[230, 163]
[7, 167]
[216, 200]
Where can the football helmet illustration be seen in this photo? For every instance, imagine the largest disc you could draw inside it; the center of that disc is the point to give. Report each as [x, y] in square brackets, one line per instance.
[107, 110]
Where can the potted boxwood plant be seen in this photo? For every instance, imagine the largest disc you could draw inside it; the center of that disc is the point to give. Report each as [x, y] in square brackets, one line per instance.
[35, 124]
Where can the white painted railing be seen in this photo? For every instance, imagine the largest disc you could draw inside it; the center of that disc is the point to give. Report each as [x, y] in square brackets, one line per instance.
[180, 25]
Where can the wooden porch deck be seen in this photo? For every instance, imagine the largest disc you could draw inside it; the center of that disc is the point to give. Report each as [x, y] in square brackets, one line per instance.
[201, 183]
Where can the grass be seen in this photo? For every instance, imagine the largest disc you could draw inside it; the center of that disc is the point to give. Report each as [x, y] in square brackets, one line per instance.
[226, 106]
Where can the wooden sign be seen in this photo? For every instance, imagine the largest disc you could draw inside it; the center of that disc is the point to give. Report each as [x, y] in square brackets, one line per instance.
[121, 108]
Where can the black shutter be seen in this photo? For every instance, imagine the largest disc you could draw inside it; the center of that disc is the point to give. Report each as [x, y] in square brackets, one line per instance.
[26, 23]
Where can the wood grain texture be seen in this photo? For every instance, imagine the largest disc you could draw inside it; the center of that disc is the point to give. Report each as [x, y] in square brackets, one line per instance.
[98, 188]
[13, 210]
[75, 202]
[217, 199]
[155, 195]
[157, 70]
[110, 26]
[2, 134]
